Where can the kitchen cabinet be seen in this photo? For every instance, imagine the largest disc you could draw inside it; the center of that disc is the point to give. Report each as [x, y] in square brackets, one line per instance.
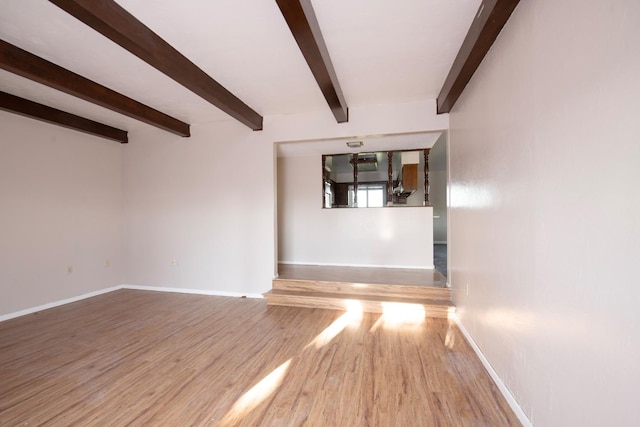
[410, 177]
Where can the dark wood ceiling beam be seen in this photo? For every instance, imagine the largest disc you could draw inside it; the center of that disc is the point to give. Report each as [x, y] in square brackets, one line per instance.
[25, 64]
[489, 20]
[24, 107]
[302, 22]
[115, 23]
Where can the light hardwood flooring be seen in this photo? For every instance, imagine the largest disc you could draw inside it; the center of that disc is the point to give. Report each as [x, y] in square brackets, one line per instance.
[373, 275]
[163, 359]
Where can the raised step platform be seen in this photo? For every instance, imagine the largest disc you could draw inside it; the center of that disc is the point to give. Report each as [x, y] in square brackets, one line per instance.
[295, 287]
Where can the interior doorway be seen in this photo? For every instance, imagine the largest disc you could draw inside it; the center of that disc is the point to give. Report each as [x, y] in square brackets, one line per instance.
[438, 179]
[349, 237]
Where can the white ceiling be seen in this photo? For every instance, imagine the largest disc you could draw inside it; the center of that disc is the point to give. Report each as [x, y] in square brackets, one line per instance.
[383, 51]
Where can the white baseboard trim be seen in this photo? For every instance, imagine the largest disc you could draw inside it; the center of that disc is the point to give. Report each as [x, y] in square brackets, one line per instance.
[192, 291]
[115, 288]
[513, 403]
[326, 264]
[57, 303]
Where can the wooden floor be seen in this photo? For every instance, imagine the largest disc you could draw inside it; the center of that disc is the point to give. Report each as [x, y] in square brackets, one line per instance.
[383, 276]
[163, 359]
[373, 289]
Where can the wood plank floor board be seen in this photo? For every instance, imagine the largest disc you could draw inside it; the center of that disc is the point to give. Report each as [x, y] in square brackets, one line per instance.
[368, 303]
[371, 275]
[354, 289]
[333, 287]
[148, 358]
[362, 297]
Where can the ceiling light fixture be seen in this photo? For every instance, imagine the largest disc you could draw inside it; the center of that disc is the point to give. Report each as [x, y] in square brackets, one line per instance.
[355, 144]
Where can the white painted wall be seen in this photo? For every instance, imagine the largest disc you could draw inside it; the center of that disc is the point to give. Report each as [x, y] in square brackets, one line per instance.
[209, 201]
[391, 237]
[545, 229]
[61, 206]
[205, 202]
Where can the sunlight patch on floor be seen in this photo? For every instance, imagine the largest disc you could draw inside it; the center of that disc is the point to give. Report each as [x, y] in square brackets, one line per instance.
[256, 395]
[402, 313]
[450, 338]
[396, 315]
[352, 317]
